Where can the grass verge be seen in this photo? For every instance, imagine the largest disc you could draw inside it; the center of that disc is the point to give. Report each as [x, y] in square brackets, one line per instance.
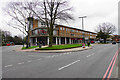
[60, 47]
[29, 47]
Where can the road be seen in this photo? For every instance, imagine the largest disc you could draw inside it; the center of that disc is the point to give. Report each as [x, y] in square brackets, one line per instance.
[91, 63]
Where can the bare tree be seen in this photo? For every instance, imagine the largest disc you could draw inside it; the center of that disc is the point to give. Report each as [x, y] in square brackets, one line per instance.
[19, 13]
[50, 11]
[104, 30]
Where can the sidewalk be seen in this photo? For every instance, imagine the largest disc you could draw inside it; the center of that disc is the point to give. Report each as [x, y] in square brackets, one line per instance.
[56, 51]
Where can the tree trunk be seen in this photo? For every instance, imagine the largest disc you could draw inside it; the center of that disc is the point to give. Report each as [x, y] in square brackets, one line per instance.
[28, 40]
[51, 36]
[104, 40]
[50, 40]
[27, 43]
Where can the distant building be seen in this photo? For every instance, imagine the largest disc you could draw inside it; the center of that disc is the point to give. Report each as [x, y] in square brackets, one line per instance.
[61, 34]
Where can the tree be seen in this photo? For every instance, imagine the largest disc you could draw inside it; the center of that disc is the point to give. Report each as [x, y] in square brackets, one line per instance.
[17, 40]
[104, 30]
[19, 13]
[50, 11]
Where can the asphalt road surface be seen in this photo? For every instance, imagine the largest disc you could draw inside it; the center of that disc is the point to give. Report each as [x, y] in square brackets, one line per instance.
[91, 63]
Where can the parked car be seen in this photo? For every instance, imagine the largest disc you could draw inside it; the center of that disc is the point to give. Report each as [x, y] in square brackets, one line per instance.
[92, 42]
[118, 42]
[10, 44]
[97, 41]
[113, 42]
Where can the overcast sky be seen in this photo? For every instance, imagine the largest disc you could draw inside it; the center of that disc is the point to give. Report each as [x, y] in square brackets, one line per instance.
[97, 11]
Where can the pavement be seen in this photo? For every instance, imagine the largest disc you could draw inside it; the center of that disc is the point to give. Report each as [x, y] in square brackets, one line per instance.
[91, 63]
[57, 51]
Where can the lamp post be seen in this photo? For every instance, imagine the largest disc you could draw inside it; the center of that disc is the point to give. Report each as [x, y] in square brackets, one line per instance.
[83, 21]
[23, 37]
[83, 25]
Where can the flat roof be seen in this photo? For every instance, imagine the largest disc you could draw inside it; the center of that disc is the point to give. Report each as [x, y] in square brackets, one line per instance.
[76, 29]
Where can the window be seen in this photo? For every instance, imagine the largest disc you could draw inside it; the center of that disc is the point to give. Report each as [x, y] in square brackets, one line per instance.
[72, 34]
[63, 28]
[39, 24]
[60, 28]
[36, 32]
[66, 29]
[83, 32]
[54, 32]
[72, 30]
[42, 23]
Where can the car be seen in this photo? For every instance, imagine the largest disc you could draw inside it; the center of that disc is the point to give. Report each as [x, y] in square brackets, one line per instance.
[118, 42]
[113, 42]
[10, 44]
[92, 42]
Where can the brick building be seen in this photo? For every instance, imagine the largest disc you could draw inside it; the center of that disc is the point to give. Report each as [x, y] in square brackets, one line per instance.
[61, 34]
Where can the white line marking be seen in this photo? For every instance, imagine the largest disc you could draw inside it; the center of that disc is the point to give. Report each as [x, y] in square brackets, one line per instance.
[68, 65]
[61, 54]
[8, 65]
[90, 55]
[21, 63]
[56, 55]
[52, 56]
[67, 53]
[30, 61]
[38, 59]
[64, 53]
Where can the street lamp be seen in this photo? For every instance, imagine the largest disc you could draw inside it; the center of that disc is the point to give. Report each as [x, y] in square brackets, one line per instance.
[83, 25]
[23, 37]
[83, 21]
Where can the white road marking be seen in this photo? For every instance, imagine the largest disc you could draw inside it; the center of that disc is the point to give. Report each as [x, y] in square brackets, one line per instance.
[9, 66]
[21, 63]
[38, 59]
[48, 56]
[7, 70]
[30, 61]
[67, 53]
[56, 55]
[90, 55]
[52, 56]
[61, 54]
[68, 65]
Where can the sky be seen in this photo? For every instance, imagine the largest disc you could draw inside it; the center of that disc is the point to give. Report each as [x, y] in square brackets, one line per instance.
[97, 12]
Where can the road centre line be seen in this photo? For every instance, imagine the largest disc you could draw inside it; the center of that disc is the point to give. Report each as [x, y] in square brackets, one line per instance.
[38, 59]
[90, 55]
[21, 63]
[30, 61]
[68, 65]
[9, 66]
